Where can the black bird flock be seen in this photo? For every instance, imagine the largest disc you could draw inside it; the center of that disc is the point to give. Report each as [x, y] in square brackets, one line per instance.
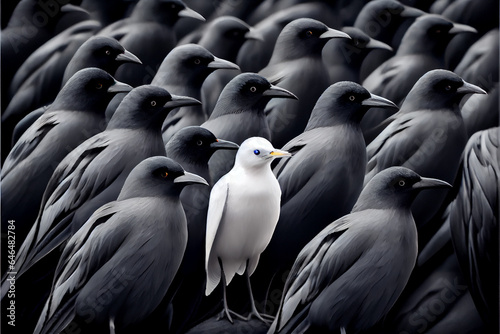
[137, 138]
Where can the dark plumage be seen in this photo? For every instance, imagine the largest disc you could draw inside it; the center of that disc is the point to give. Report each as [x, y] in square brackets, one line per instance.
[296, 65]
[350, 275]
[324, 177]
[474, 222]
[65, 125]
[421, 50]
[149, 34]
[344, 57]
[192, 147]
[129, 250]
[239, 114]
[426, 135]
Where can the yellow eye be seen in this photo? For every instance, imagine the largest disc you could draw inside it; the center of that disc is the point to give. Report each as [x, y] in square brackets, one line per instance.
[164, 175]
[309, 33]
[153, 103]
[98, 86]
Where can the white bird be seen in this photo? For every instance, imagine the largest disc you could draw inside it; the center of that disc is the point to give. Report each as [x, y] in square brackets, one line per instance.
[243, 211]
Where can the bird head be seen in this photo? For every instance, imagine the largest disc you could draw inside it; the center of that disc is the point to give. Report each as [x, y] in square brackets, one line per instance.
[302, 38]
[158, 176]
[394, 187]
[257, 152]
[164, 11]
[94, 89]
[344, 102]
[147, 106]
[195, 145]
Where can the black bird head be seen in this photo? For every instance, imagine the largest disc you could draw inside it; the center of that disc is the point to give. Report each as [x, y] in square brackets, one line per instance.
[431, 33]
[195, 145]
[166, 12]
[90, 89]
[437, 90]
[157, 177]
[302, 38]
[344, 102]
[147, 106]
[102, 52]
[225, 35]
[394, 187]
[247, 92]
[190, 65]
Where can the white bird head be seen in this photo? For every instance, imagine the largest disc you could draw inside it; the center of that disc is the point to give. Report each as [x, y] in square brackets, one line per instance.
[256, 152]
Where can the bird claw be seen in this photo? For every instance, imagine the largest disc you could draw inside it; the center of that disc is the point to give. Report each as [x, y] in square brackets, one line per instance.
[226, 313]
[265, 318]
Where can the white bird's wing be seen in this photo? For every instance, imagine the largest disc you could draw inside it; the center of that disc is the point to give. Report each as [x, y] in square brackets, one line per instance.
[216, 207]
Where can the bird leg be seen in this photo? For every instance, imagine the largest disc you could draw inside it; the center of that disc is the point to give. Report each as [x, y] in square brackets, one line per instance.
[266, 318]
[226, 312]
[111, 325]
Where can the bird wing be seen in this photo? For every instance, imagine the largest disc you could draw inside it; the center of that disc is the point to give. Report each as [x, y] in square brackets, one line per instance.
[216, 208]
[319, 263]
[29, 141]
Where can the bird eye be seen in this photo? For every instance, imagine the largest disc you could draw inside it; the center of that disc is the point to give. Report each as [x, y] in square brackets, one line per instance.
[253, 89]
[99, 85]
[108, 52]
[164, 175]
[309, 33]
[256, 152]
[447, 88]
[153, 103]
[438, 31]
[401, 183]
[356, 42]
[199, 142]
[197, 61]
[352, 98]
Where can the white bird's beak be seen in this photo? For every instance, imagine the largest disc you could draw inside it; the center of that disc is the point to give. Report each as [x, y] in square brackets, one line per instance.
[279, 154]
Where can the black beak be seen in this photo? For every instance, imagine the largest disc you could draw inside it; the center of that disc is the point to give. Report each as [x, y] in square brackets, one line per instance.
[224, 145]
[119, 87]
[275, 91]
[379, 102]
[181, 101]
[128, 57]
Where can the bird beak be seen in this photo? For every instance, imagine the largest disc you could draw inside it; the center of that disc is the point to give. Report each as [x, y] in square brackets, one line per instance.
[379, 102]
[426, 182]
[190, 178]
[469, 88]
[219, 63]
[181, 101]
[188, 12]
[72, 8]
[254, 34]
[128, 57]
[280, 154]
[459, 28]
[119, 87]
[376, 44]
[411, 12]
[332, 33]
[224, 145]
[275, 91]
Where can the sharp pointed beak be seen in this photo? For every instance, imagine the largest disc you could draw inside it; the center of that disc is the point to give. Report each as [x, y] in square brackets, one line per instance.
[411, 12]
[280, 154]
[128, 57]
[460, 28]
[181, 101]
[426, 182]
[275, 91]
[72, 8]
[469, 88]
[224, 145]
[254, 34]
[188, 12]
[376, 44]
[190, 178]
[332, 33]
[379, 102]
[119, 87]
[219, 63]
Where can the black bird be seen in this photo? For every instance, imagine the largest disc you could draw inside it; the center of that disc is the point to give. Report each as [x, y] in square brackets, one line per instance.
[255, 54]
[349, 276]
[422, 49]
[66, 124]
[473, 221]
[183, 72]
[344, 57]
[42, 87]
[128, 251]
[323, 178]
[149, 34]
[239, 114]
[426, 135]
[296, 65]
[192, 147]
